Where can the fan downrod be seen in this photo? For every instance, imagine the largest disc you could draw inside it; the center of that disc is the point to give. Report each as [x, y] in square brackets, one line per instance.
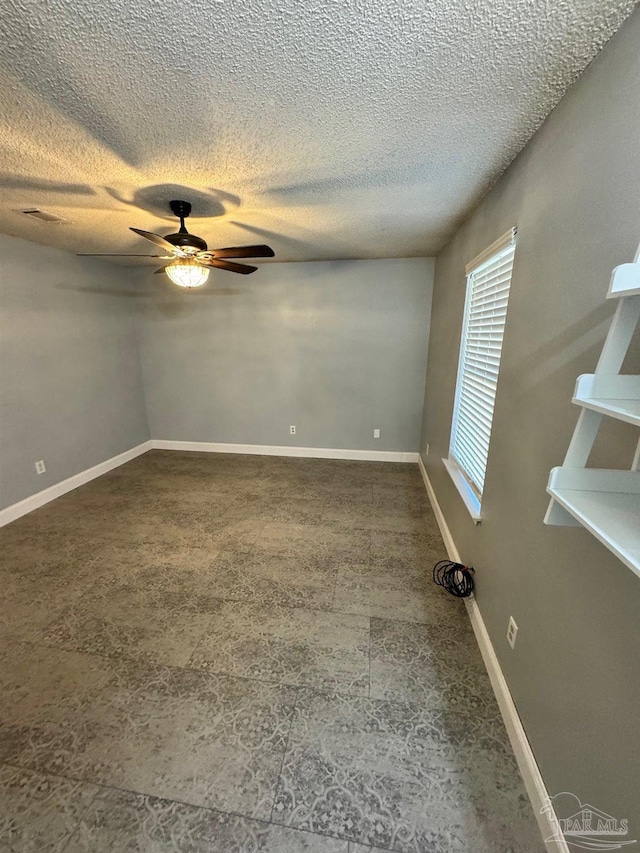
[182, 238]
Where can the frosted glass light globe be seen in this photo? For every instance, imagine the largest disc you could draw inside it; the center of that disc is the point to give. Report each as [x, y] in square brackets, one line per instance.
[187, 273]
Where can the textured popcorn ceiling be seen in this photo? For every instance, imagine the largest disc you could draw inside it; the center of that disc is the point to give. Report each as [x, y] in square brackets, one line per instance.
[330, 129]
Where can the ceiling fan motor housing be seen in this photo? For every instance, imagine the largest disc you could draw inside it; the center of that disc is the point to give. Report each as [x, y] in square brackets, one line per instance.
[185, 240]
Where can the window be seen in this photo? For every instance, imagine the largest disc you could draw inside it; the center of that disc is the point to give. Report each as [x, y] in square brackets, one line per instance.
[488, 281]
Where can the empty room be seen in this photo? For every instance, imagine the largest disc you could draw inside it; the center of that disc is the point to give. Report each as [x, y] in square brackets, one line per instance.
[319, 426]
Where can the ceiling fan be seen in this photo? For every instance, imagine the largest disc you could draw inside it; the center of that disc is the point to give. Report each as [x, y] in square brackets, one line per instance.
[190, 259]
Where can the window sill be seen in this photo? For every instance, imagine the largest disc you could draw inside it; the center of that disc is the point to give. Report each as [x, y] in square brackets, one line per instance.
[470, 499]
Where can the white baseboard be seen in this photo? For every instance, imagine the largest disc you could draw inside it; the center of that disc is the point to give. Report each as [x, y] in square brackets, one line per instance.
[11, 513]
[449, 544]
[529, 769]
[285, 450]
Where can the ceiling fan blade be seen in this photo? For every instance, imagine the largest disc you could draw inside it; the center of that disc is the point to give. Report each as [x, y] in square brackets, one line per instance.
[113, 255]
[158, 240]
[161, 269]
[243, 269]
[261, 251]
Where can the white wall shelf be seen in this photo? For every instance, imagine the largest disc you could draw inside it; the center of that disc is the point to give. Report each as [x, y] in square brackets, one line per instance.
[615, 396]
[625, 281]
[605, 502]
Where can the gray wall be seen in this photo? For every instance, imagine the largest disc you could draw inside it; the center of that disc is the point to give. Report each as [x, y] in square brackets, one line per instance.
[336, 348]
[574, 193]
[70, 380]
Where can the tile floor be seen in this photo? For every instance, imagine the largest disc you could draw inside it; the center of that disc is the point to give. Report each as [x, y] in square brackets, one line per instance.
[239, 654]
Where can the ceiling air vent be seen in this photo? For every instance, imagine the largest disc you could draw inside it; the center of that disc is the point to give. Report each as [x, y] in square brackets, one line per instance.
[42, 215]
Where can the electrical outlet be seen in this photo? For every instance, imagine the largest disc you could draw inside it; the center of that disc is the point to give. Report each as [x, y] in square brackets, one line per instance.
[292, 430]
[426, 450]
[512, 632]
[376, 433]
[40, 466]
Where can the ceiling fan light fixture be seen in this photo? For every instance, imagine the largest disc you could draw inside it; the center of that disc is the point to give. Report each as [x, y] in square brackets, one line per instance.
[187, 273]
[190, 258]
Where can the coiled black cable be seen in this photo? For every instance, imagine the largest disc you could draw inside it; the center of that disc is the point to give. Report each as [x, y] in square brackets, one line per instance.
[454, 577]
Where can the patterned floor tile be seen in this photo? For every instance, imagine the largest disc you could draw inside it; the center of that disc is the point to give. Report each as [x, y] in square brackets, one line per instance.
[28, 604]
[349, 487]
[191, 590]
[22, 554]
[373, 517]
[125, 514]
[286, 490]
[277, 564]
[260, 507]
[183, 538]
[367, 771]
[172, 518]
[437, 665]
[395, 474]
[39, 685]
[44, 696]
[369, 590]
[198, 738]
[235, 535]
[298, 646]
[412, 489]
[412, 501]
[354, 501]
[333, 544]
[272, 580]
[38, 813]
[32, 546]
[397, 551]
[377, 472]
[123, 628]
[119, 820]
[193, 512]
[282, 839]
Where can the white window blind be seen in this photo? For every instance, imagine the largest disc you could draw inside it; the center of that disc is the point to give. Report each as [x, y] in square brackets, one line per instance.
[488, 281]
